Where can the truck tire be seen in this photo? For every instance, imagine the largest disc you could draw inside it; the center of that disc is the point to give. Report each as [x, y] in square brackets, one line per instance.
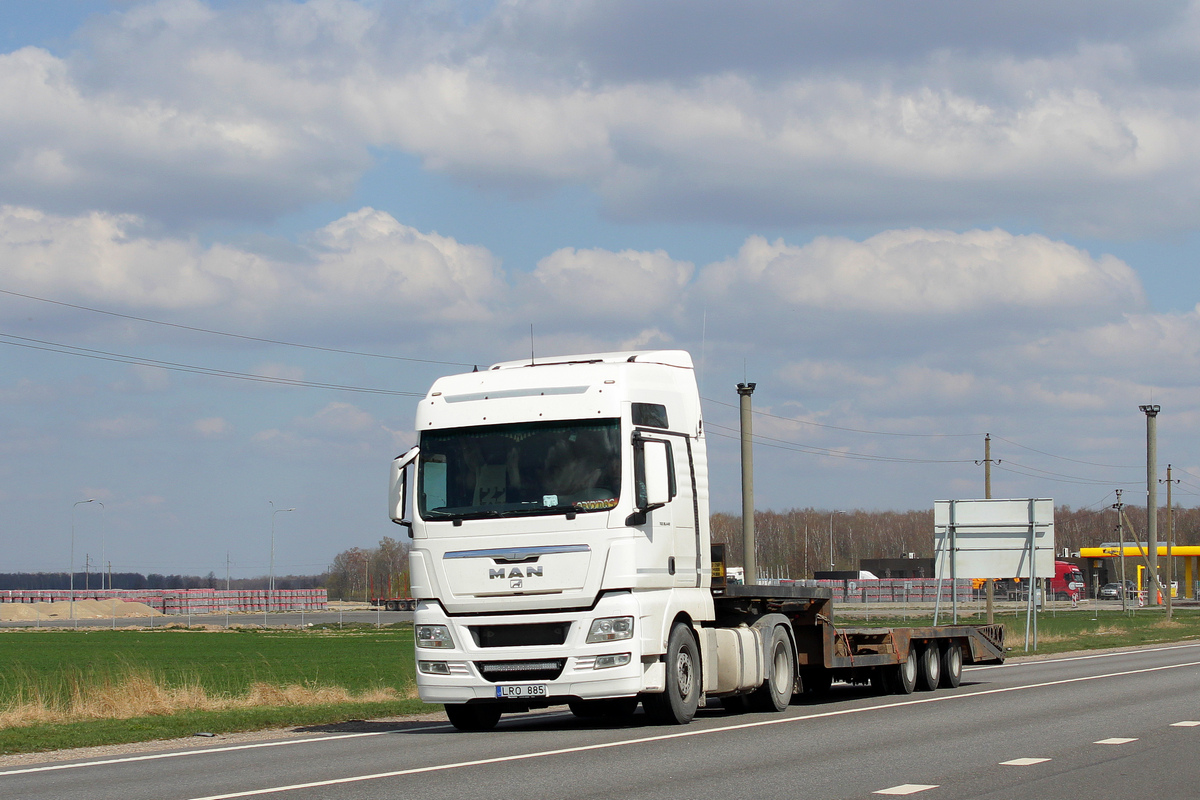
[952, 662]
[776, 692]
[392, 605]
[677, 704]
[482, 717]
[903, 676]
[930, 668]
[616, 708]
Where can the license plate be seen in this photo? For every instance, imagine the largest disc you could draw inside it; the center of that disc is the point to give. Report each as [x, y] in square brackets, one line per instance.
[521, 691]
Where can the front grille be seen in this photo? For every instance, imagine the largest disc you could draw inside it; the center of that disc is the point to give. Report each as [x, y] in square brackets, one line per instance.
[521, 671]
[534, 634]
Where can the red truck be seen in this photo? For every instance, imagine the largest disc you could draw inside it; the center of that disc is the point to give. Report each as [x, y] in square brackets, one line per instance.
[1066, 583]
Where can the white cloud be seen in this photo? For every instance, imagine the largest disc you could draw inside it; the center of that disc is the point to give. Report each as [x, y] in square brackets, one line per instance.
[212, 427]
[126, 426]
[365, 269]
[918, 275]
[339, 418]
[584, 286]
[181, 112]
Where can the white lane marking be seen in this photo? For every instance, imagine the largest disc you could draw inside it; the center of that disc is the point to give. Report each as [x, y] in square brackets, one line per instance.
[908, 788]
[680, 735]
[1115, 740]
[1041, 661]
[206, 751]
[1187, 723]
[1023, 762]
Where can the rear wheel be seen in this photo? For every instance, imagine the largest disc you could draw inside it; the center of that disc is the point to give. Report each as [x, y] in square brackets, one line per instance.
[678, 703]
[952, 662]
[904, 674]
[930, 668]
[776, 692]
[473, 717]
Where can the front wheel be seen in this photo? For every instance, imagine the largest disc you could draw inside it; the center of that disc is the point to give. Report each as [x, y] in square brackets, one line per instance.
[473, 717]
[776, 692]
[678, 703]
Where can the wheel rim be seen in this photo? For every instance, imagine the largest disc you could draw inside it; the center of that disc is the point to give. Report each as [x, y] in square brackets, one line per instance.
[782, 668]
[910, 668]
[683, 672]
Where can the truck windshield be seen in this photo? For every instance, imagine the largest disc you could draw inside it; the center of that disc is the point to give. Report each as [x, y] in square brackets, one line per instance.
[522, 469]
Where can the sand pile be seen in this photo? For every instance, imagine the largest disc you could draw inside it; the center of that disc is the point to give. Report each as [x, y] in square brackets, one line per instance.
[84, 609]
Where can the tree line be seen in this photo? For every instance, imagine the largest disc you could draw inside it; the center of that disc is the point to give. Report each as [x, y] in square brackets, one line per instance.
[790, 544]
[797, 542]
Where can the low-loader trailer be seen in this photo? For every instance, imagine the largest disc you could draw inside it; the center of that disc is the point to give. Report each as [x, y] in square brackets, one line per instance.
[559, 517]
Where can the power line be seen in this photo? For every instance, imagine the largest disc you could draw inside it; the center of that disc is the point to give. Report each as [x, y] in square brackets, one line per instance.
[838, 428]
[797, 447]
[1074, 460]
[1048, 476]
[119, 358]
[232, 335]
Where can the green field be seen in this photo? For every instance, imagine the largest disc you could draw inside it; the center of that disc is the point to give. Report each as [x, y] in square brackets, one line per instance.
[76, 688]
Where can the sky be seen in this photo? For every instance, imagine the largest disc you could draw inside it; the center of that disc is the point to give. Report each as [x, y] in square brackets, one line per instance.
[238, 241]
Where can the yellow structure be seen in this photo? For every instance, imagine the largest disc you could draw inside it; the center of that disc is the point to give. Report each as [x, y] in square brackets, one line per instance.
[1189, 553]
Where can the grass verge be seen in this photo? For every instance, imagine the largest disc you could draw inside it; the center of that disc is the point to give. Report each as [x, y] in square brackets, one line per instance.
[79, 688]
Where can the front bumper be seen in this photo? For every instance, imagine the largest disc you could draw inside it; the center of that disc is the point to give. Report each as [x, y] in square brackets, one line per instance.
[568, 670]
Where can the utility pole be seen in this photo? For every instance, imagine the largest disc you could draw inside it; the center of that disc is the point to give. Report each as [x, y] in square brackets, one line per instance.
[1119, 506]
[1170, 544]
[1151, 413]
[990, 583]
[749, 562]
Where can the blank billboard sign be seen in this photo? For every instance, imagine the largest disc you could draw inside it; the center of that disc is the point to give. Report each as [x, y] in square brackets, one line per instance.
[990, 538]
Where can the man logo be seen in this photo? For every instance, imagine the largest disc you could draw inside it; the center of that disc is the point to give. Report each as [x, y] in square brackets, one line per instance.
[515, 583]
[532, 571]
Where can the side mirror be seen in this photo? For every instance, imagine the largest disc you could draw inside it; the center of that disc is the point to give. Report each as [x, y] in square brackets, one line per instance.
[653, 477]
[398, 489]
[657, 473]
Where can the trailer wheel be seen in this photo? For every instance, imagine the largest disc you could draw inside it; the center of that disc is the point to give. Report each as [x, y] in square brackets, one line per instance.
[473, 717]
[776, 692]
[904, 675]
[678, 703]
[930, 668]
[392, 605]
[952, 662]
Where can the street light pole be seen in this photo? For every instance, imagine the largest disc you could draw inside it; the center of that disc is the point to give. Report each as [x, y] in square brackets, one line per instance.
[271, 584]
[72, 584]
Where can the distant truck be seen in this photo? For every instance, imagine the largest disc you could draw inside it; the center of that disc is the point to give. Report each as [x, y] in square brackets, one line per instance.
[561, 554]
[1066, 584]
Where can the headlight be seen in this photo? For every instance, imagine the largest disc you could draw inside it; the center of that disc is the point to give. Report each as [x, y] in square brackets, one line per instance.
[610, 629]
[617, 660]
[434, 667]
[434, 637]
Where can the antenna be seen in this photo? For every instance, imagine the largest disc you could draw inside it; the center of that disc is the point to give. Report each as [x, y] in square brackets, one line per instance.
[531, 344]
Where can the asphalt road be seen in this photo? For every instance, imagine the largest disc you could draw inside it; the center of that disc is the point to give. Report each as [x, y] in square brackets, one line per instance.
[1111, 725]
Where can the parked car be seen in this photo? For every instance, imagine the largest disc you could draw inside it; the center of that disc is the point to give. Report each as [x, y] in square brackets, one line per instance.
[1110, 591]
